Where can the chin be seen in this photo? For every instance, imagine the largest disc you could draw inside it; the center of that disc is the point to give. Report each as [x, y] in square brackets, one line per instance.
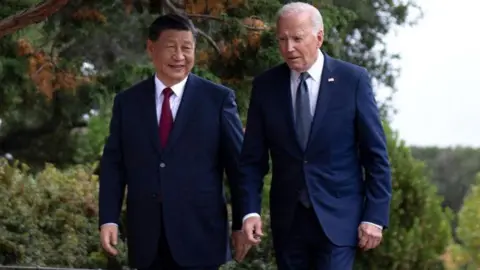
[296, 66]
[177, 72]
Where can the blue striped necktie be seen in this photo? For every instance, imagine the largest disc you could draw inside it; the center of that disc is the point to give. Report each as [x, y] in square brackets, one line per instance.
[303, 122]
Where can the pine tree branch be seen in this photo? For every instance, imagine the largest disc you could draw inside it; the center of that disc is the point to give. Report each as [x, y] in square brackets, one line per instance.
[220, 19]
[30, 16]
[22, 137]
[209, 39]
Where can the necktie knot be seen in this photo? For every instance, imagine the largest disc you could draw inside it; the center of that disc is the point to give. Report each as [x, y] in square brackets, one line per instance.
[304, 76]
[167, 92]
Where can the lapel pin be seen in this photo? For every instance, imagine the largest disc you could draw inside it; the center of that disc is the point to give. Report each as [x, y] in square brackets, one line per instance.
[331, 79]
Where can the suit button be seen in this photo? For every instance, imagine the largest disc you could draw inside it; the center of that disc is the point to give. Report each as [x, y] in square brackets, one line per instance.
[305, 161]
[162, 165]
[154, 195]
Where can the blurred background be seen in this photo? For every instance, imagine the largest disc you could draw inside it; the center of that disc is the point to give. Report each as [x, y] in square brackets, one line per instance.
[62, 61]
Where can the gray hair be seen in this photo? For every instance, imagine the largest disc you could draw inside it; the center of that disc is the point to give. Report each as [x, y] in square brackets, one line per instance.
[300, 7]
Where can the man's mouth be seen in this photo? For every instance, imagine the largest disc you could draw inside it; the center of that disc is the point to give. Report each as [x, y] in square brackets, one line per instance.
[177, 66]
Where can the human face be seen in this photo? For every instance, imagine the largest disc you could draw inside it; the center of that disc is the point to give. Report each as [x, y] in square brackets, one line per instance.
[298, 44]
[173, 55]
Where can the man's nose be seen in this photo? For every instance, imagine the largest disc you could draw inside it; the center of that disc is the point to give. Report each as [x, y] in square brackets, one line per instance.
[178, 55]
[290, 47]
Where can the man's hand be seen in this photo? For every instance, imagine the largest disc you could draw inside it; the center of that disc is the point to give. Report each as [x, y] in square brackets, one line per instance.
[240, 245]
[252, 228]
[109, 237]
[369, 236]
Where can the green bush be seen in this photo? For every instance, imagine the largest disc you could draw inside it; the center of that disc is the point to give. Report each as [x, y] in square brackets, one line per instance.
[419, 230]
[466, 254]
[50, 219]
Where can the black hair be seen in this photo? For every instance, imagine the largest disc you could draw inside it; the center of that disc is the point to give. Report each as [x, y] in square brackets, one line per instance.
[170, 22]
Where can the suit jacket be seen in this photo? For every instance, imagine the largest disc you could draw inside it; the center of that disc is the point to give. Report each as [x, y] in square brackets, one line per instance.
[346, 137]
[183, 181]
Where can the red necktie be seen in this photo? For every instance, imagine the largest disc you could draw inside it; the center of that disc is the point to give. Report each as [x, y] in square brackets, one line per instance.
[166, 118]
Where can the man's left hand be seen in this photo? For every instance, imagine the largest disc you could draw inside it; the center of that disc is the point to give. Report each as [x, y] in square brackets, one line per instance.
[369, 236]
[240, 245]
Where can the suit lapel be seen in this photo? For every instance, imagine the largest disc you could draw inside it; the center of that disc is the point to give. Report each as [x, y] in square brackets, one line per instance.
[185, 111]
[150, 112]
[325, 92]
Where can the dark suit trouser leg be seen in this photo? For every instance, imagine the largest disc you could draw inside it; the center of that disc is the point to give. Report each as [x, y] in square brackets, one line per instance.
[165, 261]
[308, 248]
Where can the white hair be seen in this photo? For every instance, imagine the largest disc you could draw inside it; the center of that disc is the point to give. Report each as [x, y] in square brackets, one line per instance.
[300, 7]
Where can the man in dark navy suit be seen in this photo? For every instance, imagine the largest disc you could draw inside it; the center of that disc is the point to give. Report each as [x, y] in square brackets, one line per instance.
[171, 138]
[316, 117]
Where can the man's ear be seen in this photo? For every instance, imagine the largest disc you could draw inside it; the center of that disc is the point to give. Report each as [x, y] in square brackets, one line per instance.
[319, 38]
[150, 48]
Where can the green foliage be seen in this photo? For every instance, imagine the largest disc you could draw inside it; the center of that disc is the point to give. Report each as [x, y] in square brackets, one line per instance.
[206, 74]
[452, 170]
[68, 129]
[113, 41]
[466, 253]
[419, 230]
[30, 119]
[50, 219]
[90, 140]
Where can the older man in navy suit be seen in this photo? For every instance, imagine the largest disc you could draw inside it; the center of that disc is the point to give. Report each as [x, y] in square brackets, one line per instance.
[171, 138]
[316, 117]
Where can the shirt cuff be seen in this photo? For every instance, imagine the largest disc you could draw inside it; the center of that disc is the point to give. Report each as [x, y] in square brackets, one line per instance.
[250, 215]
[109, 224]
[378, 226]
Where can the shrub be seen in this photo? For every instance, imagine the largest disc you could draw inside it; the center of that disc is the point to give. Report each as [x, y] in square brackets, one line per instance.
[466, 254]
[50, 219]
[419, 229]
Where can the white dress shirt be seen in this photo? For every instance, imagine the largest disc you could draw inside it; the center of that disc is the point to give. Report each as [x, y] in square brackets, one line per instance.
[313, 85]
[175, 98]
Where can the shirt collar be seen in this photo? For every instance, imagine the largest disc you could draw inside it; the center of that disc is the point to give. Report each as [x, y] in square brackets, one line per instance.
[177, 89]
[315, 71]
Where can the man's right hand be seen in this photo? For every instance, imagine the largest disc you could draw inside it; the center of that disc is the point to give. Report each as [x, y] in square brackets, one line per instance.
[109, 238]
[252, 228]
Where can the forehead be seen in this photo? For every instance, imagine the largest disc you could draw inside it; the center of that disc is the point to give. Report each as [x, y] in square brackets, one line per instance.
[176, 36]
[293, 24]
